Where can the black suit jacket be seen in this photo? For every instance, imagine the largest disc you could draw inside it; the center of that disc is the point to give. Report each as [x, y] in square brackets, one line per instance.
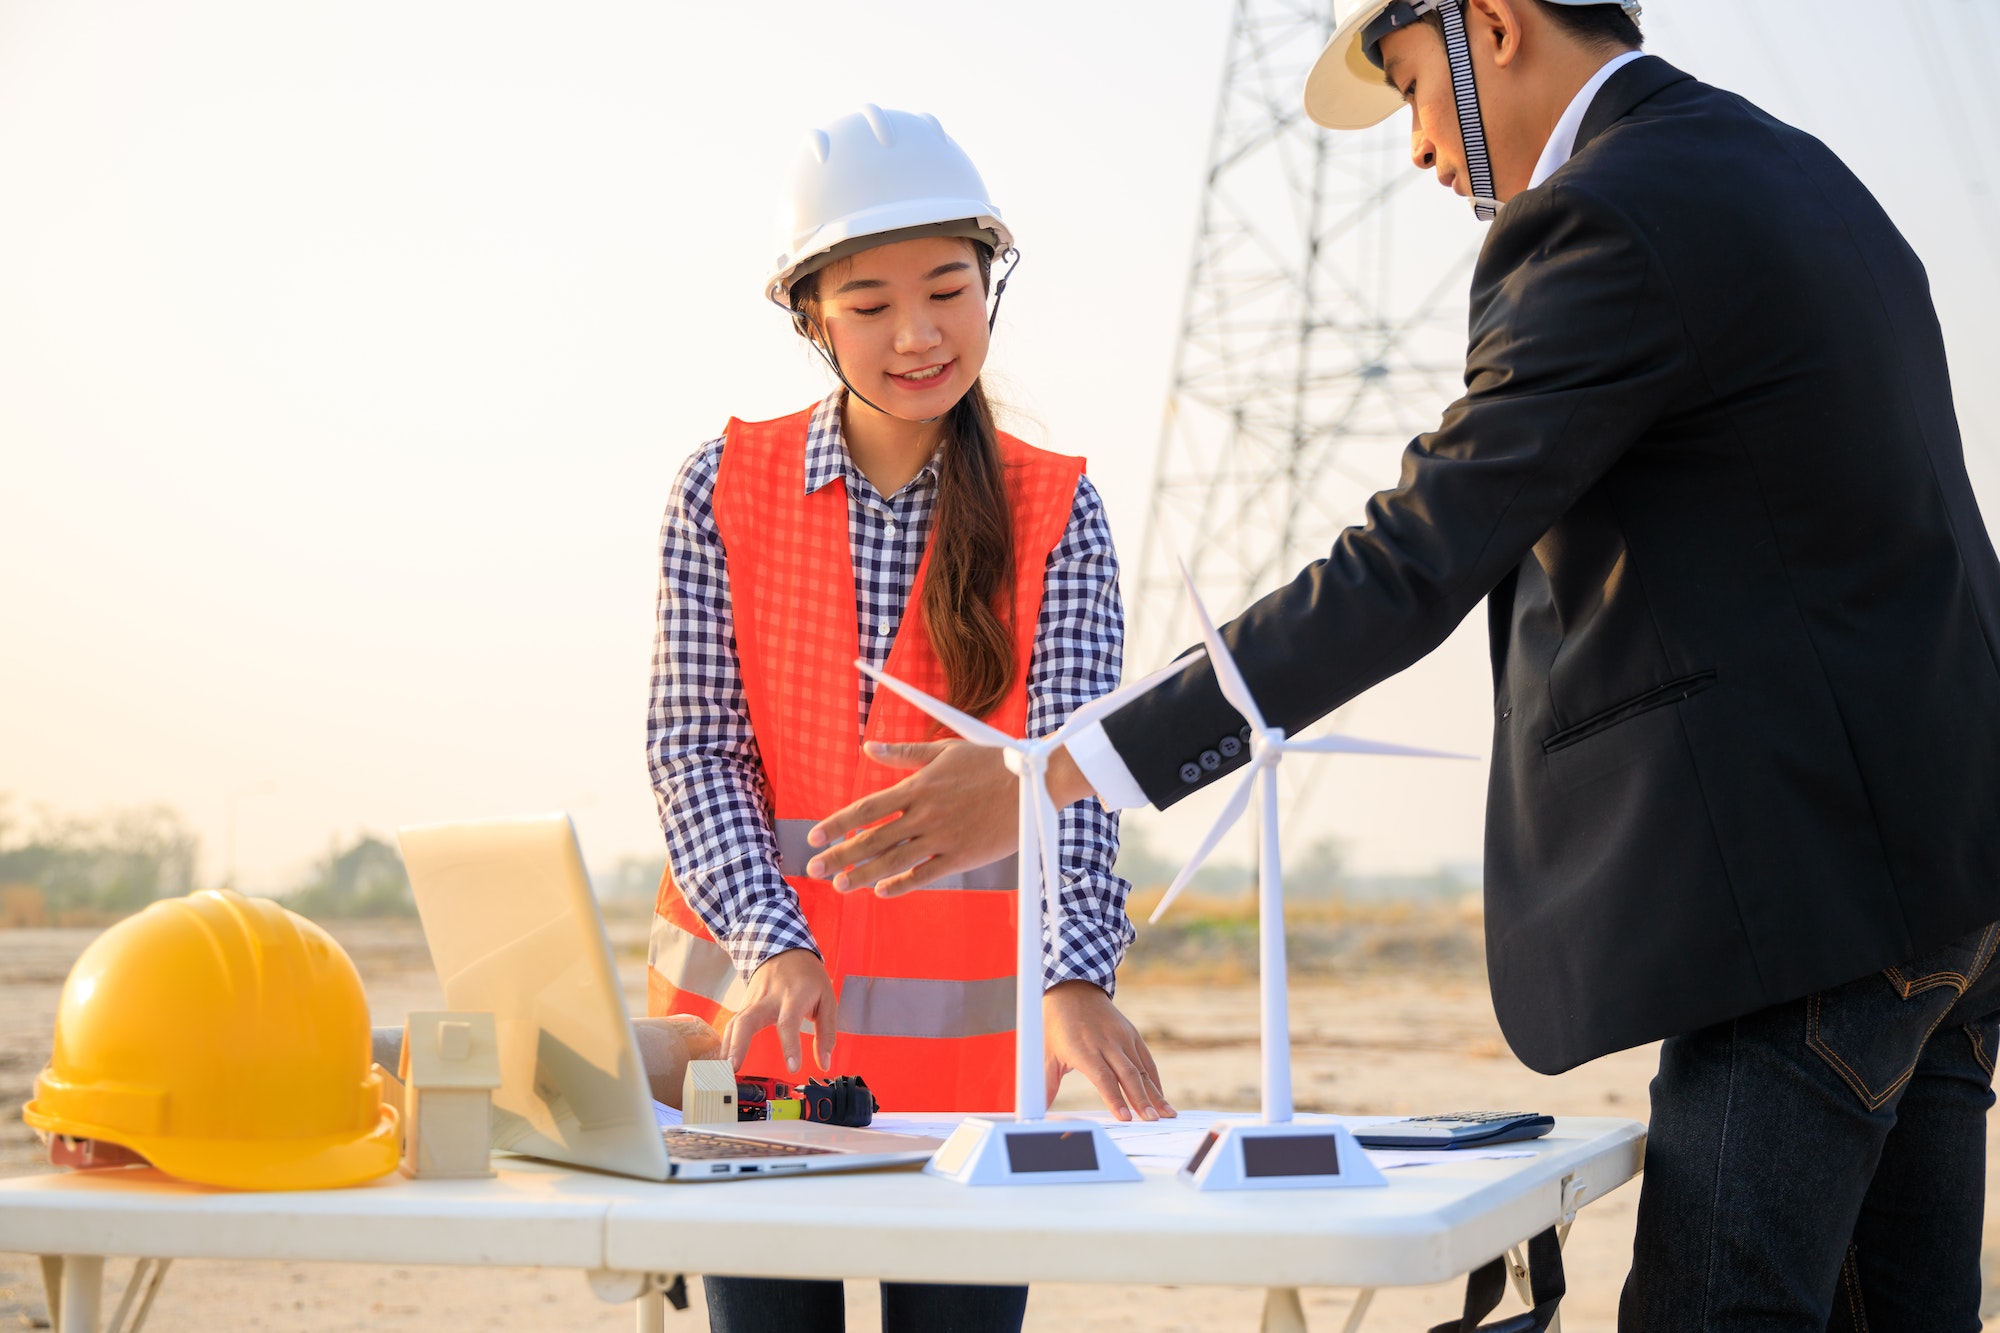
[1745, 616]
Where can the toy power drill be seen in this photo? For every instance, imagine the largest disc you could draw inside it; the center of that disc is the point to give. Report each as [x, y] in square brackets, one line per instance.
[831, 1101]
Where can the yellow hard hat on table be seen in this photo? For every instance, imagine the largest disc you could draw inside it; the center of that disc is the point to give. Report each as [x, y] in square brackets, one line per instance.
[224, 1039]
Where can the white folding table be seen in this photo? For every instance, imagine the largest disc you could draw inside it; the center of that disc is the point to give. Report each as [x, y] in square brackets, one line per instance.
[1431, 1223]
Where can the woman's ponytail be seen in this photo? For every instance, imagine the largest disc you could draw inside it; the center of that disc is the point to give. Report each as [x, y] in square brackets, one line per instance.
[972, 561]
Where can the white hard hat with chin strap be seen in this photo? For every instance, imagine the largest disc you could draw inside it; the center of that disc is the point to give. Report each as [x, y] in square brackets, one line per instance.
[1346, 90]
[874, 178]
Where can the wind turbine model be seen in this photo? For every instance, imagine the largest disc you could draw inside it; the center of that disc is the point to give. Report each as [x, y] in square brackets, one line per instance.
[1275, 1152]
[1026, 1149]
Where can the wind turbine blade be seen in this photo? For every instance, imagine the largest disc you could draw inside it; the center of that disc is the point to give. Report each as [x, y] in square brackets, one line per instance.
[1232, 812]
[1124, 694]
[1356, 745]
[964, 724]
[1234, 687]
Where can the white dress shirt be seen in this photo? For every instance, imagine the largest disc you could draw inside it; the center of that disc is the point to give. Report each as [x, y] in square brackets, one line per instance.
[1099, 761]
[1562, 139]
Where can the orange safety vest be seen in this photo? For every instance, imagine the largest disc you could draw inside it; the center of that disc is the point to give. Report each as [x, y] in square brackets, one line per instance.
[925, 982]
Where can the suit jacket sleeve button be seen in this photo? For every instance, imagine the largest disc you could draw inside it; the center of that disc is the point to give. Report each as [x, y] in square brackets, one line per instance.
[1230, 747]
[1244, 734]
[1190, 772]
[1210, 760]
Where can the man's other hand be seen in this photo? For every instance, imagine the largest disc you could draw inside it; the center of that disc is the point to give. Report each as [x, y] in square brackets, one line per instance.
[787, 989]
[957, 812]
[1084, 1031]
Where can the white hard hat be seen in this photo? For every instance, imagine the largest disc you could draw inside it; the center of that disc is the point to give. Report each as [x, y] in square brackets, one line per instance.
[873, 177]
[1345, 90]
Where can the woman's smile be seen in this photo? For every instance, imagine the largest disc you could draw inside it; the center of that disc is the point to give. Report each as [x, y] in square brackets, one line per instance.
[925, 377]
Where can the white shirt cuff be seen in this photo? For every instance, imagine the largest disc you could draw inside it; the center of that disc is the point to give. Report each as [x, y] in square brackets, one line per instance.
[1104, 770]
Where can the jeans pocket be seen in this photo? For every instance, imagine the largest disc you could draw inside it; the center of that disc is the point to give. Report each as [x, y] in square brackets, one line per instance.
[1872, 1030]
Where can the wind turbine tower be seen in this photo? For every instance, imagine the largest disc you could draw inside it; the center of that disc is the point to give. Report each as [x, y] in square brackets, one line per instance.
[1303, 363]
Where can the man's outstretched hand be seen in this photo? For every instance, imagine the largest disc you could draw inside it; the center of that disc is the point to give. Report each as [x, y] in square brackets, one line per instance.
[957, 812]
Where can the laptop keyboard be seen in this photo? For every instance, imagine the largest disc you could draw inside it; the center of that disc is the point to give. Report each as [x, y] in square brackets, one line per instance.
[693, 1145]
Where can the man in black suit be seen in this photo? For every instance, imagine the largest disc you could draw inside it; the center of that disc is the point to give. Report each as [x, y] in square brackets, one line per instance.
[1745, 623]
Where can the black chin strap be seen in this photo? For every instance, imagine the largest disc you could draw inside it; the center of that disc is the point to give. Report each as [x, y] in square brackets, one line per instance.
[823, 345]
[1485, 1286]
[1013, 258]
[1471, 126]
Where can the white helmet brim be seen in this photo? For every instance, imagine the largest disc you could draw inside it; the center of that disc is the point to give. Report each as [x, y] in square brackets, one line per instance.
[1344, 90]
[883, 226]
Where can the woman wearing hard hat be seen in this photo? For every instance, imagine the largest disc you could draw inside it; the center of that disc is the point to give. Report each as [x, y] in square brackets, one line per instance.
[892, 522]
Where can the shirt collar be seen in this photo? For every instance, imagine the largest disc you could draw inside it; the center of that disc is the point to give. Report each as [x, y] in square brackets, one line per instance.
[826, 451]
[1562, 140]
[827, 458]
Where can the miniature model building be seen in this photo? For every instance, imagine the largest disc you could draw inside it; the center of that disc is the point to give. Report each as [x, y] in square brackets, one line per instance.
[708, 1093]
[450, 1066]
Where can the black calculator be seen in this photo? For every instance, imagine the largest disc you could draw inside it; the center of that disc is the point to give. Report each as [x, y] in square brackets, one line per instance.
[1460, 1129]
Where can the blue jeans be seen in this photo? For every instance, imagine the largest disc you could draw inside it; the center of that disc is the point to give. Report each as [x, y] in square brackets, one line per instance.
[785, 1305]
[1821, 1165]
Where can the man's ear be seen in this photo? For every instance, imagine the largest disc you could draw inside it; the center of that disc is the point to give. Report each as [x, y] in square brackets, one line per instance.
[1498, 24]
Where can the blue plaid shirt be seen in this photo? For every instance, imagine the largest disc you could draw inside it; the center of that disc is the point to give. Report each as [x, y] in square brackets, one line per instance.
[707, 777]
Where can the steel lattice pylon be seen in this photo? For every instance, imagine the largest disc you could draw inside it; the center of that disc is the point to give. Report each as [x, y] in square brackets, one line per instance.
[1297, 349]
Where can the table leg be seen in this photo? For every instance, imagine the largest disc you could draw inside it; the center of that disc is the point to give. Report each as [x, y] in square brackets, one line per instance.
[52, 1287]
[1282, 1311]
[137, 1302]
[82, 1293]
[1362, 1300]
[652, 1307]
[1517, 1273]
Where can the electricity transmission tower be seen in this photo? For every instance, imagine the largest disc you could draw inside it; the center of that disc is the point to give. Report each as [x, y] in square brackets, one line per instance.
[1301, 355]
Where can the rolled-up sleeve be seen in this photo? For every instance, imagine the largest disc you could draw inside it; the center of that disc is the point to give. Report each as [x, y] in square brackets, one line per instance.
[1078, 656]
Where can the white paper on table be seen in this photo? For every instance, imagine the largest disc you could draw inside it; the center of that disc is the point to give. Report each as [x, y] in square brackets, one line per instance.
[929, 1127]
[665, 1115]
[1169, 1143]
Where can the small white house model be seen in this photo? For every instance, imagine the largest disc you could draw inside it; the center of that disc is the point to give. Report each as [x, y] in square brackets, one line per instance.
[708, 1093]
[450, 1066]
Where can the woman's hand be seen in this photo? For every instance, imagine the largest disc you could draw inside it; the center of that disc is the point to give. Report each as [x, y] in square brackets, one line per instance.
[787, 989]
[1084, 1031]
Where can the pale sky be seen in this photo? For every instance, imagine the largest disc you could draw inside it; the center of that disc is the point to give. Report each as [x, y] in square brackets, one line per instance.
[347, 353]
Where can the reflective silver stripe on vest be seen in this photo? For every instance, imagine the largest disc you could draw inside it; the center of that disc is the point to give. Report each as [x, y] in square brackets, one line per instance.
[922, 1007]
[794, 851]
[690, 962]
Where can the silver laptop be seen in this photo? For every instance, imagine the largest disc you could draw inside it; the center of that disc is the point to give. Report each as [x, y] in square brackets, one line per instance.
[514, 930]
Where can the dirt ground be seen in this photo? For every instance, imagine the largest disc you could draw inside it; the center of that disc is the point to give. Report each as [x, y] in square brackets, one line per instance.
[1382, 1039]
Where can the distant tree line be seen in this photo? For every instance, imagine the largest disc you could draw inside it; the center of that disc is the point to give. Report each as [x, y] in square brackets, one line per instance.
[112, 864]
[364, 878]
[89, 869]
[116, 863]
